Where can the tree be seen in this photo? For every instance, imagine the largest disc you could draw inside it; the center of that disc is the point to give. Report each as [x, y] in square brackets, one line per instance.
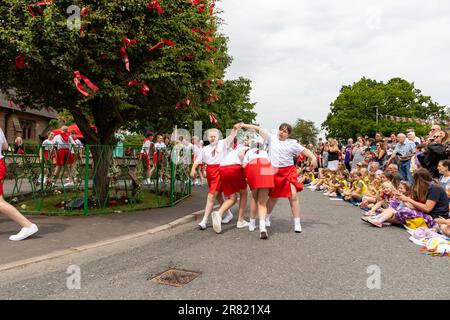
[171, 49]
[353, 112]
[305, 132]
[232, 105]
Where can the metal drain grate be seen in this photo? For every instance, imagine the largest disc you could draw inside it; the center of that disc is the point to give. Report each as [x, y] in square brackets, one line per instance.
[175, 277]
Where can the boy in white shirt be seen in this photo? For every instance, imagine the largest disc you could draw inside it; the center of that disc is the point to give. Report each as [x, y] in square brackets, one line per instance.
[7, 209]
[212, 155]
[282, 152]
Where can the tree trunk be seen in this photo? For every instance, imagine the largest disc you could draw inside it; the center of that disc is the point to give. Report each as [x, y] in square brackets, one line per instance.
[100, 142]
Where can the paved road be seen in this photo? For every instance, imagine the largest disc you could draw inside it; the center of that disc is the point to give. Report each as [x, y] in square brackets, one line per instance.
[329, 260]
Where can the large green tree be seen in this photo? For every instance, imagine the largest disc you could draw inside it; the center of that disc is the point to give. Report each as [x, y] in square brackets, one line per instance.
[305, 131]
[354, 110]
[173, 48]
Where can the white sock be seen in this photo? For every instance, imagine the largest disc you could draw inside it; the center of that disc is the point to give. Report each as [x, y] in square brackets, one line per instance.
[297, 221]
[204, 221]
[262, 225]
[268, 217]
[253, 222]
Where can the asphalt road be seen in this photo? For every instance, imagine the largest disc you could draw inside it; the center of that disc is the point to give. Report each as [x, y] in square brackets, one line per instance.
[329, 260]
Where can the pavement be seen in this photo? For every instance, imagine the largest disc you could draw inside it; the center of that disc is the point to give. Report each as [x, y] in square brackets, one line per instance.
[62, 233]
[336, 257]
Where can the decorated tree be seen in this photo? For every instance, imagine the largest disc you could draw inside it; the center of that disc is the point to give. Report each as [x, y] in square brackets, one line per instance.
[229, 103]
[108, 62]
[355, 109]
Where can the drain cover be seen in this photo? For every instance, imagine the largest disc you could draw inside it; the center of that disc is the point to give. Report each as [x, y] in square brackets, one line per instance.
[175, 277]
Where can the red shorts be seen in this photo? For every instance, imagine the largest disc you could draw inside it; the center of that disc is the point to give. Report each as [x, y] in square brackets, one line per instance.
[157, 159]
[260, 174]
[232, 179]
[283, 179]
[146, 160]
[2, 175]
[213, 178]
[64, 156]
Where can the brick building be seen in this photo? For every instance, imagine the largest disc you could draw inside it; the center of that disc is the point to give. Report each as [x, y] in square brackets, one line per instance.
[28, 123]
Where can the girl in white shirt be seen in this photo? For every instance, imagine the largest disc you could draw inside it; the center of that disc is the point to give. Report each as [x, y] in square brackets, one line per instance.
[259, 173]
[7, 209]
[282, 152]
[232, 178]
[212, 155]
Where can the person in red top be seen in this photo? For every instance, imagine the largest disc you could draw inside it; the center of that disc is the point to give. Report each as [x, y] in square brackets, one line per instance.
[64, 144]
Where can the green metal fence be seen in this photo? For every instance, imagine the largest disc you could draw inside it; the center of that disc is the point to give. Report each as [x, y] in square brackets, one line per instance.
[30, 183]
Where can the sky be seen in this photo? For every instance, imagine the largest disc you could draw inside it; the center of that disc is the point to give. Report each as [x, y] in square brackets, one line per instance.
[299, 53]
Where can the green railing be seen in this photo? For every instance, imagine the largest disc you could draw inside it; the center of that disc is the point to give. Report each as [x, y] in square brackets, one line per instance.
[102, 181]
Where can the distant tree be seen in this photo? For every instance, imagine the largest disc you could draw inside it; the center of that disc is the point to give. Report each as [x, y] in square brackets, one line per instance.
[353, 112]
[305, 132]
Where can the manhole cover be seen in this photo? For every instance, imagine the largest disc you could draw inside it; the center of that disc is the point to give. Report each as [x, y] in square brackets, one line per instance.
[175, 277]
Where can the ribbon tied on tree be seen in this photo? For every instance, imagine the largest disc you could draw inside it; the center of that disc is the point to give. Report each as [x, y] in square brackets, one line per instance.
[80, 87]
[144, 89]
[154, 5]
[33, 6]
[127, 43]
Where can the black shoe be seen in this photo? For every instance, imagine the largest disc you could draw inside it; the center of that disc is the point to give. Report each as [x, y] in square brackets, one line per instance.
[263, 235]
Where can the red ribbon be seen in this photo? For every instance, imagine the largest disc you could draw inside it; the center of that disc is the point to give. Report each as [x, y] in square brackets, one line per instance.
[84, 13]
[184, 103]
[155, 5]
[161, 44]
[211, 8]
[187, 56]
[20, 60]
[127, 43]
[213, 120]
[38, 5]
[80, 86]
[144, 88]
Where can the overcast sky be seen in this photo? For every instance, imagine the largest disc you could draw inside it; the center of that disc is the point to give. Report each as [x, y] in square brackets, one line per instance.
[298, 53]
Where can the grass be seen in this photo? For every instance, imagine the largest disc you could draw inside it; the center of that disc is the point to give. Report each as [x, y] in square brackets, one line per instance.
[148, 200]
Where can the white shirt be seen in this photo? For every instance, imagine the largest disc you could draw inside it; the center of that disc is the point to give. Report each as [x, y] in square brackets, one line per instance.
[146, 146]
[209, 157]
[48, 144]
[252, 155]
[160, 146]
[2, 141]
[282, 153]
[232, 157]
[59, 142]
[197, 150]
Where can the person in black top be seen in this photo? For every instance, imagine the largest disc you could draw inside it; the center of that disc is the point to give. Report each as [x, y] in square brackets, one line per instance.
[434, 153]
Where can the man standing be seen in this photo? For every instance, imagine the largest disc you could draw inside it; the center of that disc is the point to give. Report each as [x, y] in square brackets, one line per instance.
[405, 150]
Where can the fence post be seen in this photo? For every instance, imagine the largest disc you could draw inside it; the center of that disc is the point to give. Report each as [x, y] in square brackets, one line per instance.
[42, 159]
[172, 182]
[86, 182]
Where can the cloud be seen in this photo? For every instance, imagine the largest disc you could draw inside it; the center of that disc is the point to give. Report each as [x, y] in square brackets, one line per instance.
[300, 53]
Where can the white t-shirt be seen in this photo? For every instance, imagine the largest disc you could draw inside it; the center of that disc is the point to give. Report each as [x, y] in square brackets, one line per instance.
[2, 141]
[48, 144]
[232, 157]
[252, 155]
[59, 142]
[209, 157]
[445, 183]
[146, 146]
[160, 146]
[197, 150]
[282, 153]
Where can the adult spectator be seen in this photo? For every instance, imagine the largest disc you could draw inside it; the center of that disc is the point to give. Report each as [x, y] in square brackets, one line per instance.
[428, 196]
[412, 137]
[404, 151]
[435, 152]
[348, 154]
[333, 154]
[374, 168]
[358, 153]
[391, 168]
[444, 180]
[381, 154]
[319, 152]
[378, 138]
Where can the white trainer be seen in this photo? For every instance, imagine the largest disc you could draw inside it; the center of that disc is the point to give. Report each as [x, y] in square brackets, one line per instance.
[202, 225]
[267, 221]
[24, 233]
[298, 228]
[216, 221]
[69, 184]
[242, 225]
[227, 218]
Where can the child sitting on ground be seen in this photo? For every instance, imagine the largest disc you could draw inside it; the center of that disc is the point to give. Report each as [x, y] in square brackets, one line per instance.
[359, 189]
[386, 195]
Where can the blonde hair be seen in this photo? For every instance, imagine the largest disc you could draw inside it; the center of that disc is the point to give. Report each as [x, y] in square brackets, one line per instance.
[65, 128]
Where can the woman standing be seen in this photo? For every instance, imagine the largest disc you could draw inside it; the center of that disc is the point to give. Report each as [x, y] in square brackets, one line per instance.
[333, 154]
[118, 150]
[8, 210]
